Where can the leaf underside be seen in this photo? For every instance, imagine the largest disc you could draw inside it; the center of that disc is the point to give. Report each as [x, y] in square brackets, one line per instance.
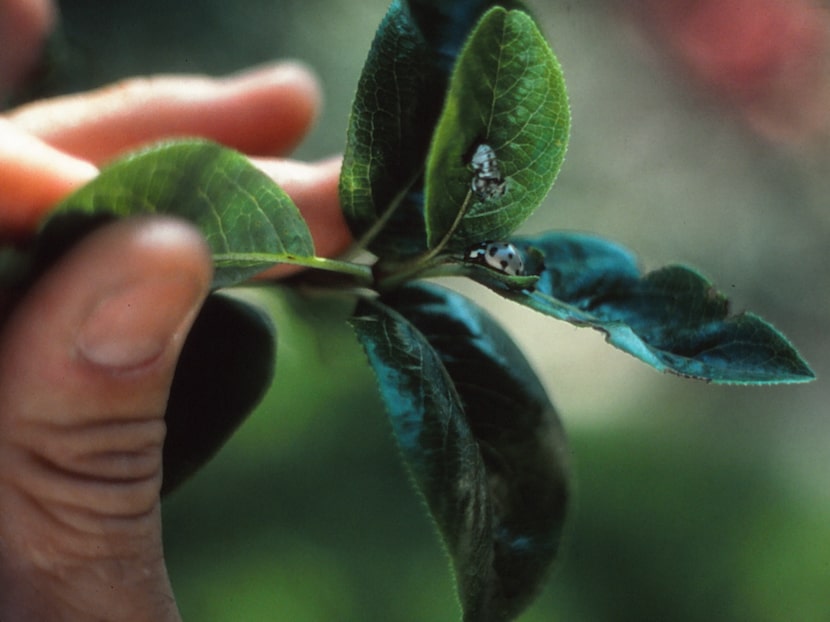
[480, 437]
[671, 318]
[224, 370]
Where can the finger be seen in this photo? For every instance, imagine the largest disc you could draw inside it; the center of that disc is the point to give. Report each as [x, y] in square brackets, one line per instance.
[314, 189]
[262, 112]
[86, 362]
[24, 24]
[33, 178]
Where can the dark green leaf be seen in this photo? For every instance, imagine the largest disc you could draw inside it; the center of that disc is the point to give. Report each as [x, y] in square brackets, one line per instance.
[399, 98]
[480, 437]
[224, 370]
[388, 134]
[15, 267]
[507, 92]
[672, 318]
[435, 439]
[248, 221]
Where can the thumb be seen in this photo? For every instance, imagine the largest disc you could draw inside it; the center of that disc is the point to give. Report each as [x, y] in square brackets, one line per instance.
[86, 363]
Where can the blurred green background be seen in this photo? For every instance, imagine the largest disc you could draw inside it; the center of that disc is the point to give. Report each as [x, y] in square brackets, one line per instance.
[693, 502]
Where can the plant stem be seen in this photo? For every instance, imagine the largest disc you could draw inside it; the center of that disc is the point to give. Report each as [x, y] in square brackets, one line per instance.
[455, 224]
[426, 261]
[361, 273]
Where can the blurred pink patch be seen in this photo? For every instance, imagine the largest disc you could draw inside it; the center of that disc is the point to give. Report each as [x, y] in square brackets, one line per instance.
[767, 58]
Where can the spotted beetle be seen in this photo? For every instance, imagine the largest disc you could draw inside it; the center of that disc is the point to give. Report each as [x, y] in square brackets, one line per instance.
[501, 256]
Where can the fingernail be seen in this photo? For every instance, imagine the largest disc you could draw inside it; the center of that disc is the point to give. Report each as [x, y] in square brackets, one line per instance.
[134, 325]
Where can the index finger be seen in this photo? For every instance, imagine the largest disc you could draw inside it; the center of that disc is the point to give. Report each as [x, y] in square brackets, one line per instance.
[265, 111]
[33, 177]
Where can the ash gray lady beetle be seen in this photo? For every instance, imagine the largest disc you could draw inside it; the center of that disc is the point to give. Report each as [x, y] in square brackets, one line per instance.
[487, 180]
[500, 256]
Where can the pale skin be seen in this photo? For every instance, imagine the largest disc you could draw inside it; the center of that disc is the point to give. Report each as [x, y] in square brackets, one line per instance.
[87, 356]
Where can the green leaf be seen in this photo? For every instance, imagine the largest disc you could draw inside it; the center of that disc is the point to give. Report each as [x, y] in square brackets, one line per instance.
[224, 370]
[399, 99]
[248, 221]
[435, 439]
[399, 96]
[480, 437]
[672, 318]
[507, 92]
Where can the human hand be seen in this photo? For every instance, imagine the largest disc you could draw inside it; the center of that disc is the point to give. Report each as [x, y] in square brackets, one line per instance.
[87, 356]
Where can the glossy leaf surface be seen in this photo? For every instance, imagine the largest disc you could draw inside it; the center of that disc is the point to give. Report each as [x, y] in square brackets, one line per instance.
[507, 93]
[672, 318]
[479, 436]
[248, 221]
